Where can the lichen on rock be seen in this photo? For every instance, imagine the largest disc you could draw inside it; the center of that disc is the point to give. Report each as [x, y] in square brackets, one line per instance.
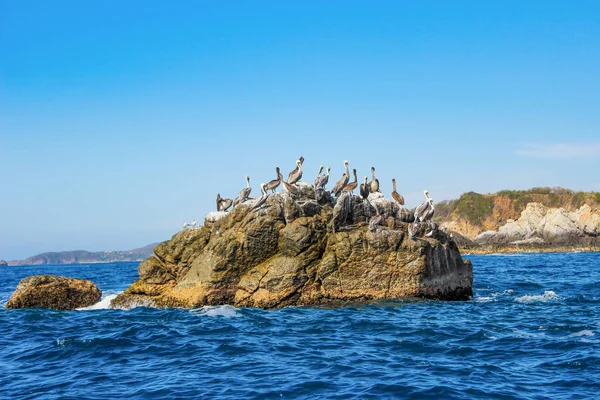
[301, 249]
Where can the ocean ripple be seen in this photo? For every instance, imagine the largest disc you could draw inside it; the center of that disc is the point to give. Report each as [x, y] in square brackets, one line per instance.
[530, 332]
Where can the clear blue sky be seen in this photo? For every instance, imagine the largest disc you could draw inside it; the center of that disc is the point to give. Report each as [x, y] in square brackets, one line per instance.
[121, 119]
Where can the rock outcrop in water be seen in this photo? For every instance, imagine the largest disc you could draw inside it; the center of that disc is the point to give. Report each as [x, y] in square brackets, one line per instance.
[300, 251]
[3, 263]
[57, 292]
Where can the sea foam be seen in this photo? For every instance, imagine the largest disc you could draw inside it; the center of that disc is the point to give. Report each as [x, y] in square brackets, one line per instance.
[548, 296]
[217, 311]
[103, 304]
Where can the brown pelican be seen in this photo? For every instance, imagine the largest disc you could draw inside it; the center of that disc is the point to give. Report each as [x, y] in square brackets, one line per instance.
[290, 188]
[376, 220]
[323, 180]
[395, 195]
[261, 200]
[274, 184]
[416, 229]
[374, 182]
[301, 160]
[422, 209]
[352, 185]
[337, 189]
[319, 176]
[296, 174]
[223, 204]
[430, 211]
[364, 189]
[244, 193]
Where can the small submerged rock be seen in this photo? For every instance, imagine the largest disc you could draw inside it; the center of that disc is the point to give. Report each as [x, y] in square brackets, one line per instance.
[56, 292]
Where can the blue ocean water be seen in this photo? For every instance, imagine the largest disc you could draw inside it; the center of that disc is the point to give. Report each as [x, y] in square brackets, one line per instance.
[532, 331]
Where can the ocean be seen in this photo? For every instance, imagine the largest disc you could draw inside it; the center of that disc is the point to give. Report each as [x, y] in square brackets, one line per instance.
[531, 331]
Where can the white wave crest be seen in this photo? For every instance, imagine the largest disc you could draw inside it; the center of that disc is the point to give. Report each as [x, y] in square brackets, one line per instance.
[585, 332]
[217, 311]
[103, 304]
[548, 296]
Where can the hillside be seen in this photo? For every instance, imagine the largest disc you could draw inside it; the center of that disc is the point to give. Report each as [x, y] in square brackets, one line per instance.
[82, 256]
[474, 213]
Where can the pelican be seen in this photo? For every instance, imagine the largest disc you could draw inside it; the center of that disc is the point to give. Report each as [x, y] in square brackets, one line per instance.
[290, 188]
[423, 207]
[223, 204]
[430, 211]
[352, 185]
[323, 180]
[337, 189]
[395, 195]
[374, 182]
[244, 193]
[376, 220]
[319, 176]
[296, 174]
[261, 200]
[301, 160]
[364, 189]
[416, 229]
[274, 184]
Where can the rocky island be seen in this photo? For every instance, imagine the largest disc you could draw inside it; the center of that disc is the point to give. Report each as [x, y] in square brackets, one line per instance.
[302, 249]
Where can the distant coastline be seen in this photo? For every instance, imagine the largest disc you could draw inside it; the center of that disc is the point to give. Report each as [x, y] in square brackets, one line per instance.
[83, 256]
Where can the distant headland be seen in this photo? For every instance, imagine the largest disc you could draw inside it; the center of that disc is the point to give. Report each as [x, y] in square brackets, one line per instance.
[538, 219]
[82, 256]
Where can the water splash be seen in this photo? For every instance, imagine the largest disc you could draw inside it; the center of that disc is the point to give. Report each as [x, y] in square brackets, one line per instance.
[217, 311]
[548, 296]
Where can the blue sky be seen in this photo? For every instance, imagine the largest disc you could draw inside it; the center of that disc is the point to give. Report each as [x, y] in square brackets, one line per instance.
[120, 120]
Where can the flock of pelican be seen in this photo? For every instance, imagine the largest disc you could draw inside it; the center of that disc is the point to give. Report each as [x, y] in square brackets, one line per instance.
[423, 213]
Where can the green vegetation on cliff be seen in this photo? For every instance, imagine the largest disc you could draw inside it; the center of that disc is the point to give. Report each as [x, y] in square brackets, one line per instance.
[487, 210]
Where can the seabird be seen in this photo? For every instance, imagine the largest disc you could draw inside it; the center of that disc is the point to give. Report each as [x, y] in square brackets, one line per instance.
[261, 200]
[296, 174]
[319, 176]
[352, 185]
[337, 189]
[223, 204]
[323, 180]
[423, 207]
[274, 184]
[376, 220]
[290, 188]
[364, 190]
[244, 193]
[374, 182]
[395, 195]
[429, 212]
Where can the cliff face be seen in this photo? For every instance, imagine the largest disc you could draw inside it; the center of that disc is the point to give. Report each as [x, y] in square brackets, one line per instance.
[540, 219]
[474, 213]
[297, 251]
[540, 225]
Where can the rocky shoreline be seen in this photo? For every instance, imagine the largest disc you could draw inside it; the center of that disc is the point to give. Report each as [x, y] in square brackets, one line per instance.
[294, 250]
[507, 249]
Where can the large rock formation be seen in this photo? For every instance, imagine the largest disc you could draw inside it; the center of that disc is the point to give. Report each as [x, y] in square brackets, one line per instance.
[300, 251]
[57, 292]
[3, 263]
[543, 226]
